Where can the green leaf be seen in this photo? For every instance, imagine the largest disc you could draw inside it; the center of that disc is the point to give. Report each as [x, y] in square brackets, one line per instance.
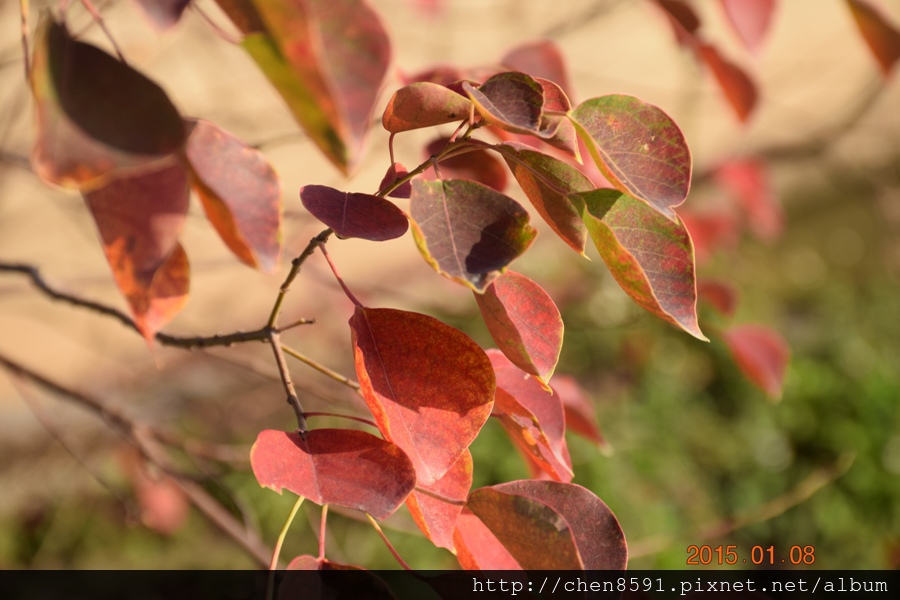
[651, 257]
[467, 231]
[638, 148]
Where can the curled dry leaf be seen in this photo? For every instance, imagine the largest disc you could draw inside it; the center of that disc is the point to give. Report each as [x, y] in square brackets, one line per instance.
[354, 215]
[651, 257]
[428, 385]
[348, 468]
[638, 148]
[524, 322]
[467, 231]
[240, 193]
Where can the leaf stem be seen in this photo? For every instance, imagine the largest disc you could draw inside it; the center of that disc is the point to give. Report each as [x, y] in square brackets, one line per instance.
[322, 530]
[320, 368]
[347, 291]
[23, 12]
[350, 417]
[273, 564]
[387, 543]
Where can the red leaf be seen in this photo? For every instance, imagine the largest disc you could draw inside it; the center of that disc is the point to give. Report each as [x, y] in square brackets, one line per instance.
[711, 231]
[749, 181]
[424, 104]
[429, 386]
[739, 89]
[466, 231]
[721, 295]
[479, 549]
[477, 165]
[762, 354]
[314, 578]
[240, 193]
[97, 118]
[579, 410]
[164, 507]
[882, 38]
[683, 19]
[541, 58]
[524, 322]
[638, 148]
[349, 468]
[327, 59]
[164, 14]
[533, 418]
[436, 518]
[549, 525]
[395, 172]
[750, 19]
[548, 182]
[139, 219]
[511, 101]
[353, 215]
[651, 257]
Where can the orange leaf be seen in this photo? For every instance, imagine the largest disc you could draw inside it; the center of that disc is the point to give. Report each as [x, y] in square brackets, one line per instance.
[882, 38]
[436, 518]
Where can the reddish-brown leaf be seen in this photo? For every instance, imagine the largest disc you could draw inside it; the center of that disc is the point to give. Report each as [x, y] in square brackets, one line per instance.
[139, 219]
[164, 14]
[550, 525]
[467, 231]
[880, 35]
[429, 386]
[354, 215]
[533, 417]
[711, 231]
[475, 165]
[436, 518]
[683, 18]
[424, 104]
[314, 578]
[750, 19]
[479, 549]
[739, 89]
[524, 322]
[349, 468]
[541, 58]
[762, 354]
[721, 295]
[580, 417]
[394, 173]
[548, 182]
[748, 180]
[97, 118]
[650, 256]
[327, 59]
[512, 101]
[164, 507]
[638, 148]
[240, 193]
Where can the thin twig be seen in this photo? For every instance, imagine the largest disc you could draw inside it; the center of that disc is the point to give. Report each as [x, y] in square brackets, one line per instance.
[23, 11]
[292, 398]
[295, 270]
[320, 368]
[228, 37]
[95, 14]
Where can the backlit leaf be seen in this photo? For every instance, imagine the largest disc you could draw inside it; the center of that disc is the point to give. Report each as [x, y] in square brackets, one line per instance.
[467, 231]
[533, 418]
[749, 181]
[711, 230]
[354, 215]
[476, 165]
[395, 172]
[638, 148]
[424, 104]
[651, 257]
[548, 182]
[240, 193]
[428, 385]
[750, 19]
[164, 14]
[479, 549]
[345, 467]
[524, 322]
[739, 89]
[580, 417]
[436, 518]
[721, 295]
[547, 525]
[139, 219]
[541, 58]
[512, 101]
[96, 117]
[762, 354]
[327, 58]
[881, 36]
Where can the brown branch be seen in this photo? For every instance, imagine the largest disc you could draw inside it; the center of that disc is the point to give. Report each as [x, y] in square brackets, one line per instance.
[23, 11]
[141, 437]
[296, 264]
[292, 398]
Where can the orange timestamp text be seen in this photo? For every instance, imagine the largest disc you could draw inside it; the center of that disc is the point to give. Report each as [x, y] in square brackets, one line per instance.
[758, 555]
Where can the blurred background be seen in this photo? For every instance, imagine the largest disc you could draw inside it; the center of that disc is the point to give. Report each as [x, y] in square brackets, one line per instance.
[695, 453]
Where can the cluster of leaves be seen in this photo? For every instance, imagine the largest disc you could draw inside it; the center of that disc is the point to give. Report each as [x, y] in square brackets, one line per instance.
[611, 170]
